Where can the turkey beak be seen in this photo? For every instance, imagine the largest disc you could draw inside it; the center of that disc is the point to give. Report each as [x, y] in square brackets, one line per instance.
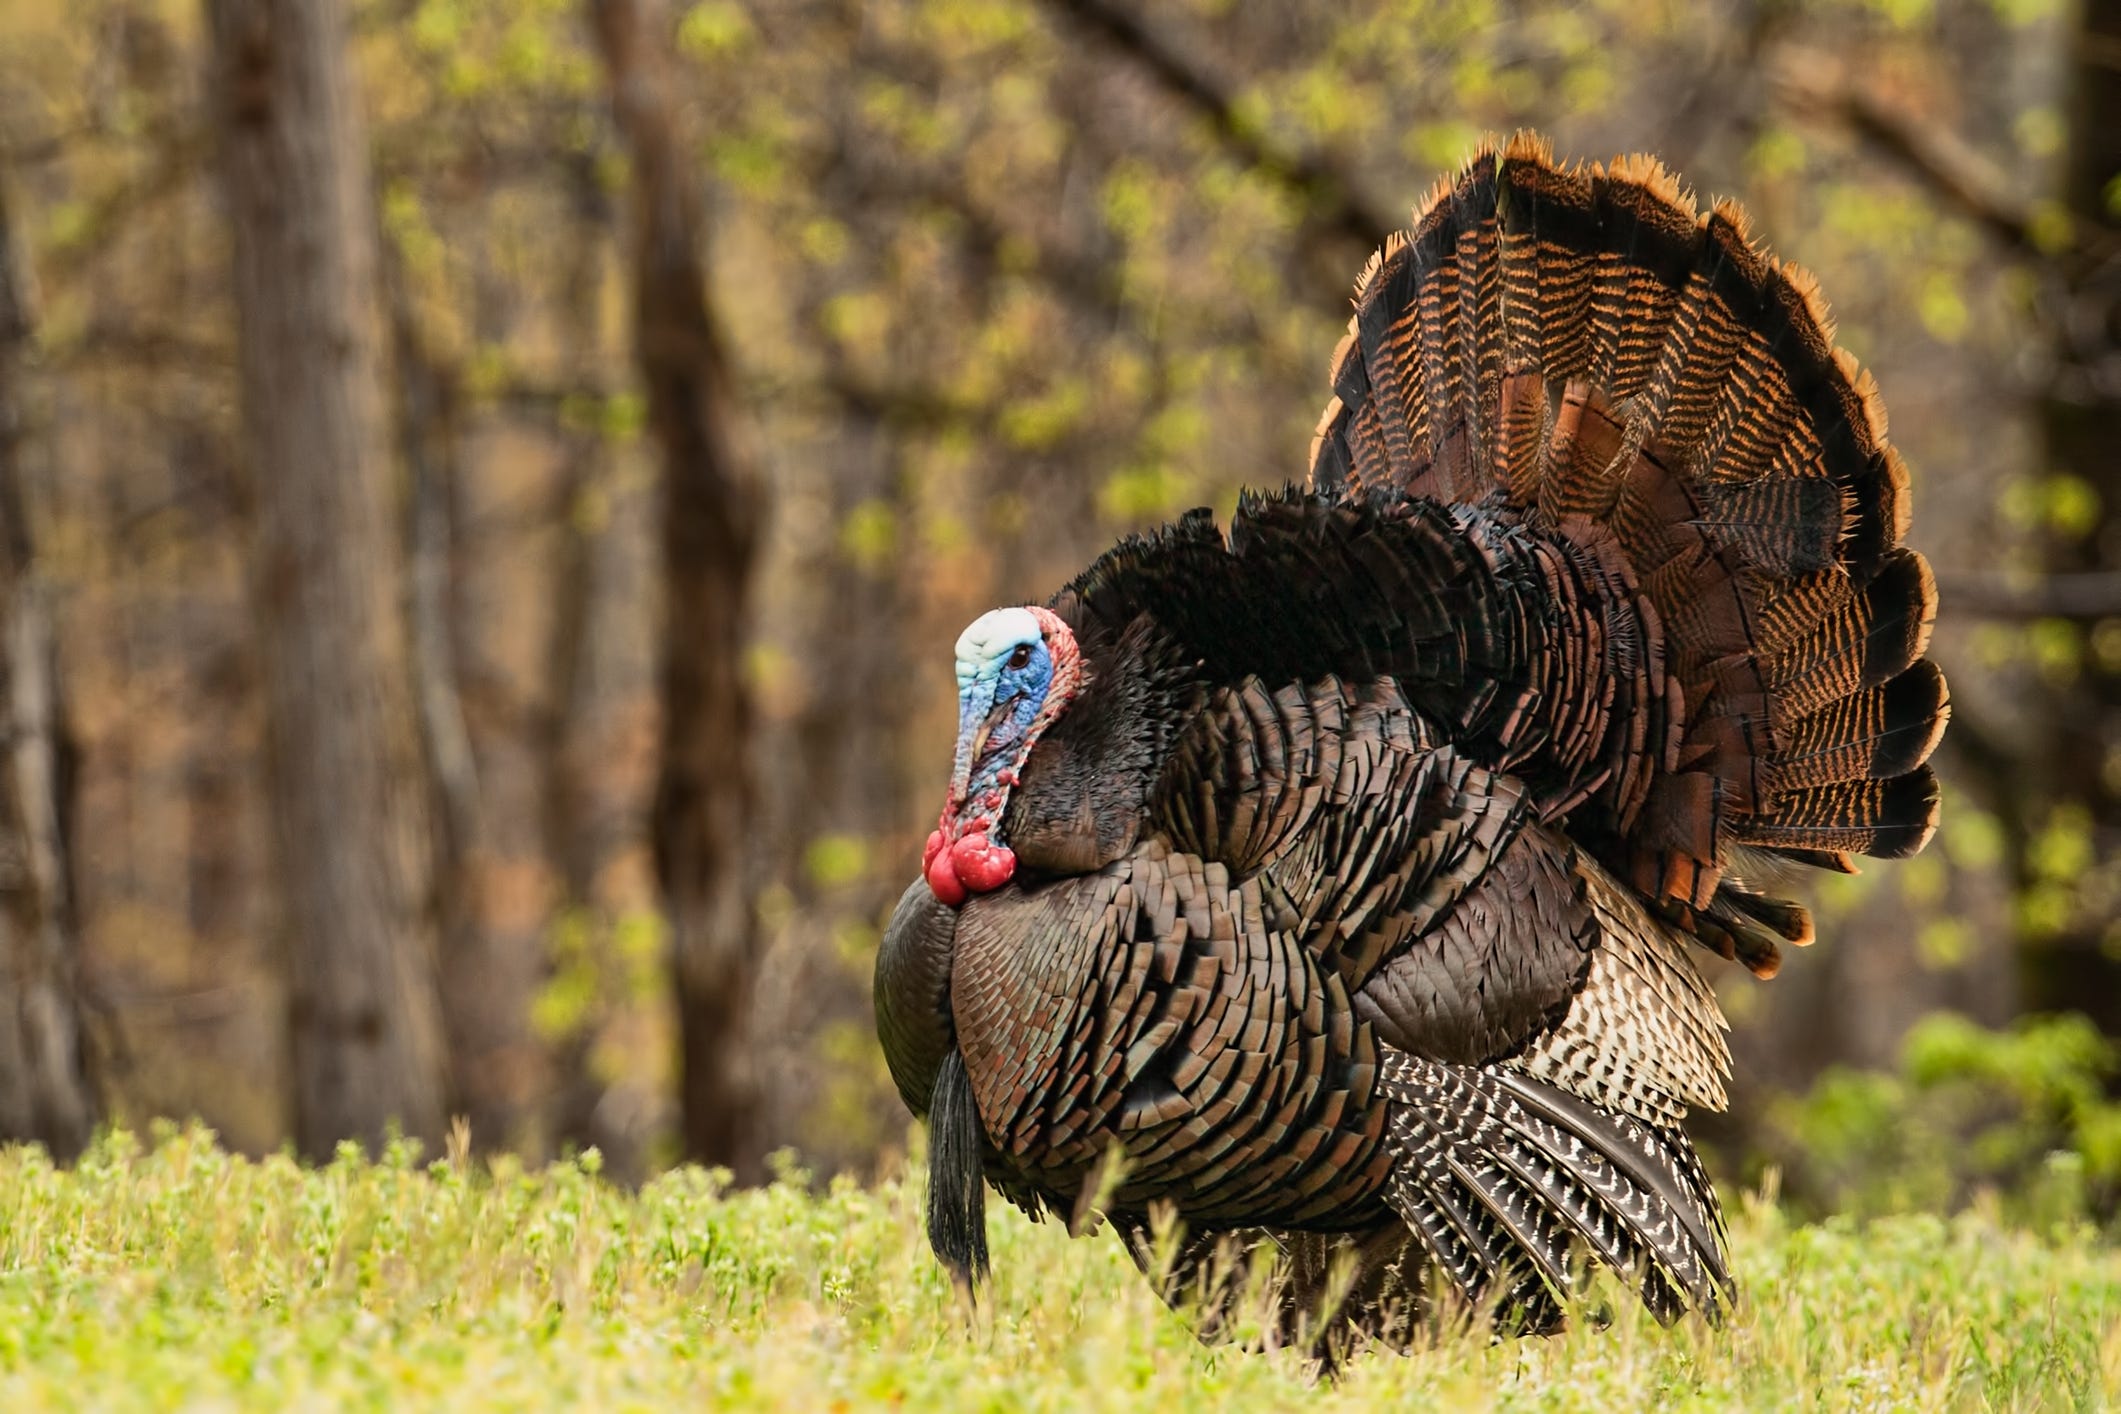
[979, 716]
[995, 717]
[975, 723]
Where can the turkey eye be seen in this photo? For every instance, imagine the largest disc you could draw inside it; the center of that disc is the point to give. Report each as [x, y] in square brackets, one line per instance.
[1021, 656]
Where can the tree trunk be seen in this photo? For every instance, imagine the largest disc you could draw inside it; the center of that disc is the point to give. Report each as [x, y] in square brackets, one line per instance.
[576, 777]
[45, 1095]
[712, 507]
[490, 886]
[349, 822]
[2077, 966]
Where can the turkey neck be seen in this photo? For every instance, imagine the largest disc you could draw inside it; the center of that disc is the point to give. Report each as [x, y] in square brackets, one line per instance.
[1084, 788]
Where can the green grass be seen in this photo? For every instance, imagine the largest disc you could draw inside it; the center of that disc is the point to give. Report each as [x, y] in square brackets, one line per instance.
[182, 1276]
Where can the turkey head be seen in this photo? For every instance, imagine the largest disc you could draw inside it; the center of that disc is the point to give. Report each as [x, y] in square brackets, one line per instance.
[1017, 671]
[1063, 727]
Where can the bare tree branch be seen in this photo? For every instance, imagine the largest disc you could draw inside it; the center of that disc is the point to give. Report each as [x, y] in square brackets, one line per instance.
[1328, 190]
[1821, 85]
[165, 172]
[36, 150]
[2093, 594]
[1990, 767]
[139, 346]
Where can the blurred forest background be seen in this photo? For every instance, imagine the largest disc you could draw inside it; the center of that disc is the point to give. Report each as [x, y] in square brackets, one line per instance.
[489, 487]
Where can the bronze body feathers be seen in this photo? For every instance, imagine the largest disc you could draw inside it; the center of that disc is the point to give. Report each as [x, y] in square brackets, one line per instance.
[1360, 892]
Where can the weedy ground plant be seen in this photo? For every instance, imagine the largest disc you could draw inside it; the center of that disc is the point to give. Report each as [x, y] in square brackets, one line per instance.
[172, 1274]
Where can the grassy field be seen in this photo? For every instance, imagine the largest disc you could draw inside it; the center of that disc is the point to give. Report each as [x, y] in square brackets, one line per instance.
[179, 1276]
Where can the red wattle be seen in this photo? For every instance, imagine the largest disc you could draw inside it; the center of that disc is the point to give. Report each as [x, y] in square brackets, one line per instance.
[980, 864]
[942, 879]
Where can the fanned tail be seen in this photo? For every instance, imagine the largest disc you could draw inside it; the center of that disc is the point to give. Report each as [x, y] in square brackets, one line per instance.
[1639, 381]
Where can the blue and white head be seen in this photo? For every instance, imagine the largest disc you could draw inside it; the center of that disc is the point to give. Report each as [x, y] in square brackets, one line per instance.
[1016, 669]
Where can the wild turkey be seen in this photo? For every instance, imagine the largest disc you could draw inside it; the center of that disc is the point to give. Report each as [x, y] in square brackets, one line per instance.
[1342, 872]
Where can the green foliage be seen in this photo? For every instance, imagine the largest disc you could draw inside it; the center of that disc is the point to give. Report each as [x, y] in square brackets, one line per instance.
[836, 859]
[607, 976]
[2020, 1117]
[714, 28]
[2063, 883]
[182, 1276]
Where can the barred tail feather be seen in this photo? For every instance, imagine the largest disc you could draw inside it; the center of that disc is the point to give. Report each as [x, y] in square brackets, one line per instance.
[1503, 1176]
[1641, 380]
